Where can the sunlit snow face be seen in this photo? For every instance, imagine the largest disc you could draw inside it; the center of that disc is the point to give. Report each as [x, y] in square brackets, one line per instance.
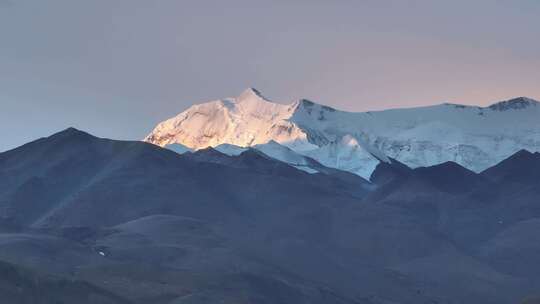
[475, 137]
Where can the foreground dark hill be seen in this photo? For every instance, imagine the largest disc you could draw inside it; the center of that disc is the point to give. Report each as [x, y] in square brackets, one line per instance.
[524, 166]
[133, 222]
[19, 285]
[83, 180]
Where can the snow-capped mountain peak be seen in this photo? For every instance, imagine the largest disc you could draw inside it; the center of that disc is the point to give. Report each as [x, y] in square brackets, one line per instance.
[475, 137]
[246, 120]
[251, 94]
[514, 104]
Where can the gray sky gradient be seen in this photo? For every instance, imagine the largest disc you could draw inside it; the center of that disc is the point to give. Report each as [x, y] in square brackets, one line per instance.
[117, 67]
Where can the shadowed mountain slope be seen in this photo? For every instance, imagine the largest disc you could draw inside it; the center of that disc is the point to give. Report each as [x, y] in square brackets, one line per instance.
[146, 225]
[83, 180]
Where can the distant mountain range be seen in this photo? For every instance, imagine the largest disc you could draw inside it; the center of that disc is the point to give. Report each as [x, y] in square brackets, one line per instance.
[474, 137]
[112, 221]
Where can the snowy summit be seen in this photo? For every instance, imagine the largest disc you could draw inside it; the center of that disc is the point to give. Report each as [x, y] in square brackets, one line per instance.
[475, 137]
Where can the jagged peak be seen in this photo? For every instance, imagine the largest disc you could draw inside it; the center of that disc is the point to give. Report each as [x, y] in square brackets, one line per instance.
[447, 166]
[66, 136]
[522, 154]
[313, 110]
[514, 104]
[309, 105]
[71, 132]
[250, 94]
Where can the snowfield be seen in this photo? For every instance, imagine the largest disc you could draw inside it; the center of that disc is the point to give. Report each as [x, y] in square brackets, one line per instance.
[475, 137]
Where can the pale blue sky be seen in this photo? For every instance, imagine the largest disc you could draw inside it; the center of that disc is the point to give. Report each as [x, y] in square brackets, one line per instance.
[117, 67]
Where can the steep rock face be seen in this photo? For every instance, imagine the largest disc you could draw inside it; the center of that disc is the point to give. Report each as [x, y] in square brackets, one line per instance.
[474, 137]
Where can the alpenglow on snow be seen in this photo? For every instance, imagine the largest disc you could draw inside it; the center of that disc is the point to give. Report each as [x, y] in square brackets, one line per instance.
[475, 137]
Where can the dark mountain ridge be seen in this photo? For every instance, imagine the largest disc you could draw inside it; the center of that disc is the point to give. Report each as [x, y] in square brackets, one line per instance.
[148, 225]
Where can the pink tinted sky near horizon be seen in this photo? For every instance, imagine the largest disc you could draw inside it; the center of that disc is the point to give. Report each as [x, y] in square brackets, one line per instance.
[116, 68]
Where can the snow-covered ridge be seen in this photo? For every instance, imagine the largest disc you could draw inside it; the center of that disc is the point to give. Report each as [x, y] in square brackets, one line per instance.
[475, 137]
[514, 104]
